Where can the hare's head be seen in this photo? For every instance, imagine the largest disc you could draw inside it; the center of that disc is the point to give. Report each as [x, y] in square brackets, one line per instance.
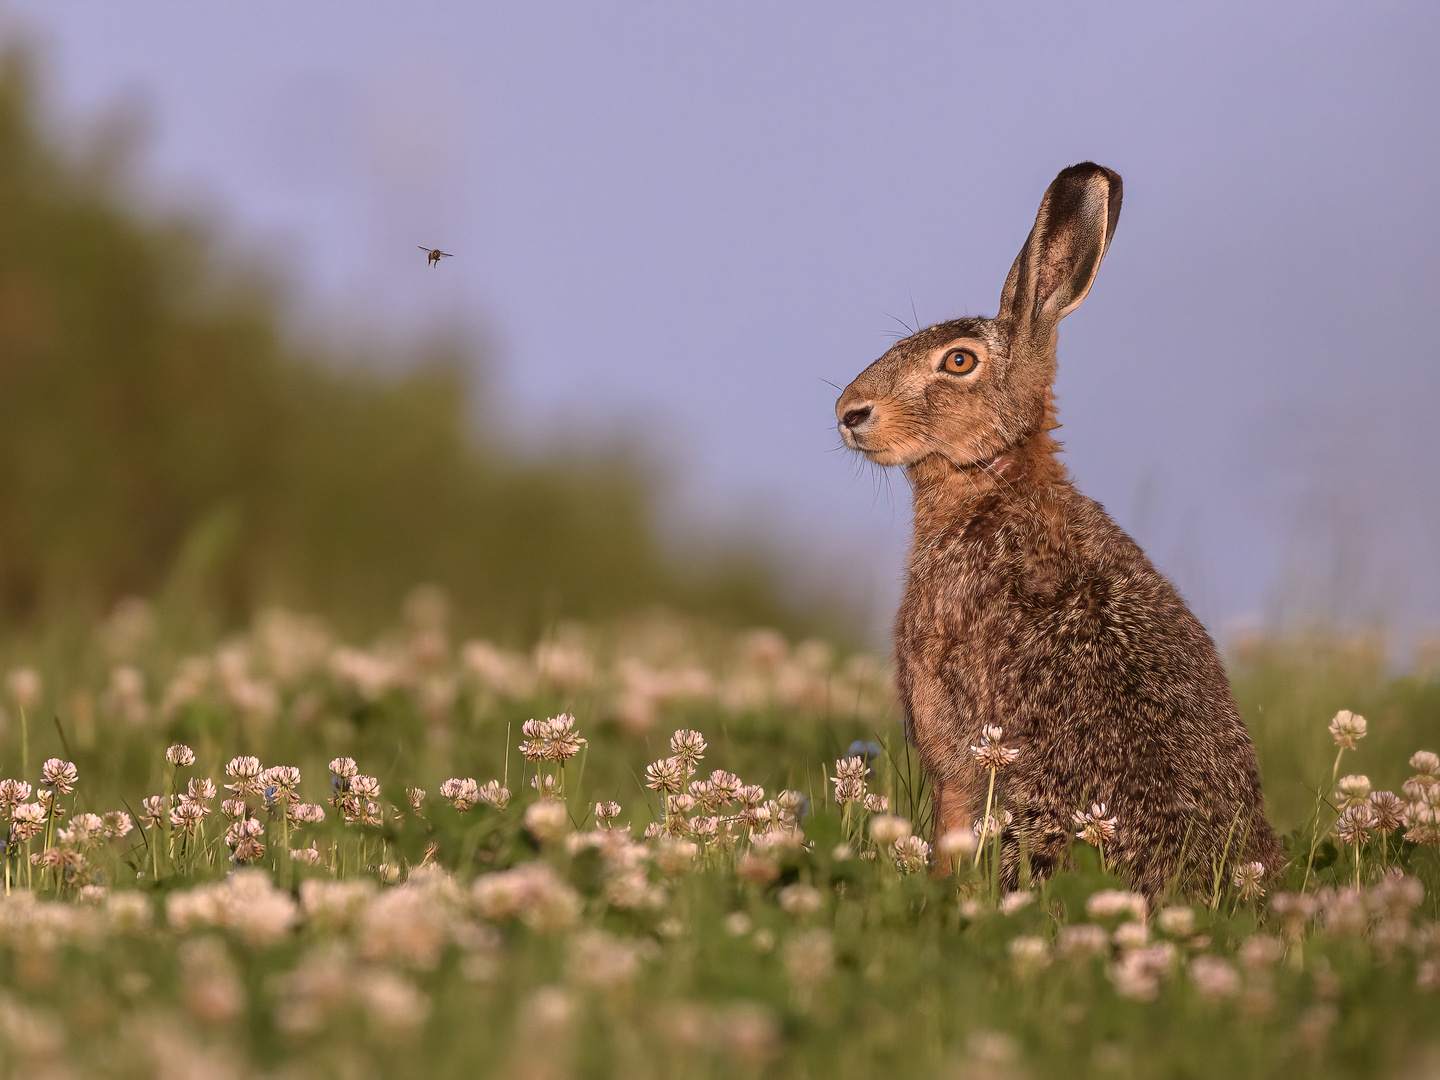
[973, 388]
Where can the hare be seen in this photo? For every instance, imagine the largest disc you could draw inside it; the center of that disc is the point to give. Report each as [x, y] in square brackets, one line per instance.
[1028, 609]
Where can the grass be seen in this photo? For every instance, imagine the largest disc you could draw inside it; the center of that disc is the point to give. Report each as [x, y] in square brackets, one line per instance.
[521, 940]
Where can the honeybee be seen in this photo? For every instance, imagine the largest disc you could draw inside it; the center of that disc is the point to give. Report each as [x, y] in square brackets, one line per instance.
[434, 255]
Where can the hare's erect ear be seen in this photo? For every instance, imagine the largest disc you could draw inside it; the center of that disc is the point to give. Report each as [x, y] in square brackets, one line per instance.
[1057, 265]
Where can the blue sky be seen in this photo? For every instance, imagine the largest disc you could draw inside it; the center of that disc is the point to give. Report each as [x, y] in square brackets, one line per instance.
[673, 222]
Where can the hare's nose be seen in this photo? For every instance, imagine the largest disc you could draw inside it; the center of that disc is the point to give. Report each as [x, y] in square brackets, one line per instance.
[855, 417]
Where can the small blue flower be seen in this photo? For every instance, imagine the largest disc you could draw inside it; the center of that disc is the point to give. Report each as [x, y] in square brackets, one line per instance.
[867, 750]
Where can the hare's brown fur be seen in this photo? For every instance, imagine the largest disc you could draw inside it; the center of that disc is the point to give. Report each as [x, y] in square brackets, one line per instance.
[1026, 607]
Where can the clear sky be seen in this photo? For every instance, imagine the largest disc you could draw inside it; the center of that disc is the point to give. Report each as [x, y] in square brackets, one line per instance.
[672, 222]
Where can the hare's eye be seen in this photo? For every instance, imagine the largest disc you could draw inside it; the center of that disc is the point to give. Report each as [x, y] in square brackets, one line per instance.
[959, 362]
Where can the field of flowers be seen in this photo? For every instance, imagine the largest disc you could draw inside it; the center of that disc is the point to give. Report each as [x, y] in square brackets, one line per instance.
[655, 850]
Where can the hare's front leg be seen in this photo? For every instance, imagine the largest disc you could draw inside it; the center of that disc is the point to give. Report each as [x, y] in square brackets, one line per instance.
[951, 800]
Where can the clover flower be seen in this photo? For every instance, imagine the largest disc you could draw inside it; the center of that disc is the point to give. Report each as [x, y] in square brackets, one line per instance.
[461, 793]
[24, 687]
[800, 899]
[688, 746]
[849, 780]
[1178, 920]
[491, 792]
[727, 785]
[1214, 979]
[1249, 879]
[59, 775]
[990, 753]
[750, 796]
[281, 782]
[546, 821]
[344, 767]
[306, 813]
[117, 823]
[546, 786]
[911, 854]
[1353, 789]
[28, 820]
[1426, 763]
[154, 810]
[187, 816]
[416, 797]
[1112, 903]
[666, 776]
[365, 787]
[12, 794]
[201, 789]
[551, 740]
[245, 771]
[1355, 823]
[877, 804]
[1388, 810]
[957, 842]
[1081, 940]
[1347, 729]
[1094, 827]
[180, 756]
[702, 793]
[887, 829]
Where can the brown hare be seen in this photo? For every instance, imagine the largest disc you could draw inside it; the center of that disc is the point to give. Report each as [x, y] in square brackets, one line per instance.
[1028, 609]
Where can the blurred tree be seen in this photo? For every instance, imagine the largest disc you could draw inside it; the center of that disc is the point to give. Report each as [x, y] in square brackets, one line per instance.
[158, 434]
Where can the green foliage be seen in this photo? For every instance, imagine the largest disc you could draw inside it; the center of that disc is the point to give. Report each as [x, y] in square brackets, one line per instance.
[159, 433]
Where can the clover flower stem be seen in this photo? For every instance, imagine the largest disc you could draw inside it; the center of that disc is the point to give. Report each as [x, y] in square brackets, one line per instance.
[287, 871]
[24, 743]
[1315, 829]
[985, 821]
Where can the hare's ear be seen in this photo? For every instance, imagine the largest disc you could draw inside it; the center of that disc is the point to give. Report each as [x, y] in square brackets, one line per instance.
[1057, 265]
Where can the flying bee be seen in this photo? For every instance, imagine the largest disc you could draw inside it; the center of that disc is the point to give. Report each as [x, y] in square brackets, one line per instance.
[434, 255]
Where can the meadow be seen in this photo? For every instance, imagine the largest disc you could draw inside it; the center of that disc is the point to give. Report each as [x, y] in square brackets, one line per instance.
[655, 848]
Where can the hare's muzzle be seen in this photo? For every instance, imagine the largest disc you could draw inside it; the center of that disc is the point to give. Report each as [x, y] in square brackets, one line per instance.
[854, 420]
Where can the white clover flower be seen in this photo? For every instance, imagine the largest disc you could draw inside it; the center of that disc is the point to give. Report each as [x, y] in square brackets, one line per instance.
[1354, 824]
[727, 785]
[415, 796]
[1016, 901]
[1082, 940]
[547, 821]
[1388, 810]
[306, 813]
[1178, 920]
[245, 771]
[911, 854]
[688, 746]
[154, 810]
[180, 756]
[750, 796]
[12, 794]
[1094, 828]
[960, 842]
[1113, 903]
[1214, 979]
[492, 793]
[606, 812]
[1249, 879]
[877, 804]
[59, 775]
[344, 767]
[365, 787]
[886, 829]
[1353, 789]
[187, 816]
[990, 754]
[461, 793]
[1425, 763]
[1347, 729]
[1131, 935]
[24, 687]
[800, 899]
[118, 824]
[285, 779]
[666, 776]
